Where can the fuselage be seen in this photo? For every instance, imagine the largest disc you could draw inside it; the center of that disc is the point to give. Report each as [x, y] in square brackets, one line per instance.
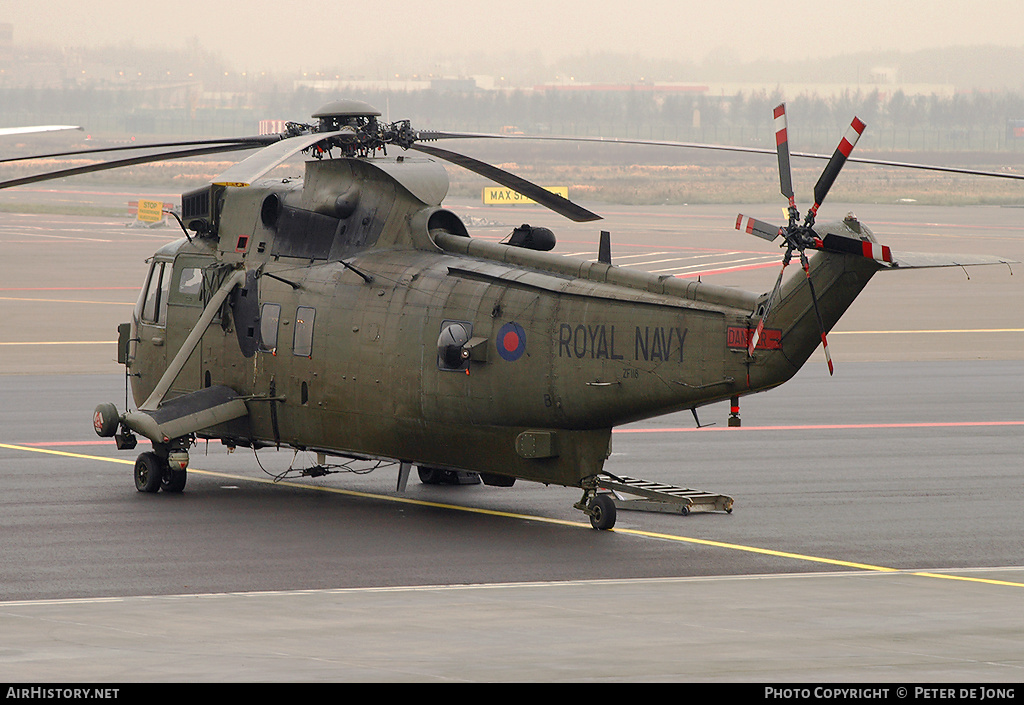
[371, 324]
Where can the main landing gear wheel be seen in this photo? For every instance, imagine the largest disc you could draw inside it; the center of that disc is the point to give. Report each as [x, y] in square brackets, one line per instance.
[149, 472]
[174, 480]
[602, 512]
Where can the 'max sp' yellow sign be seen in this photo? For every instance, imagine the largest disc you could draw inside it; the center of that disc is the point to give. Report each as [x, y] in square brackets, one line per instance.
[506, 196]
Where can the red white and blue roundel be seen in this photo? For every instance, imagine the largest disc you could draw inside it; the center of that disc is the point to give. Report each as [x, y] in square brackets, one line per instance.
[511, 341]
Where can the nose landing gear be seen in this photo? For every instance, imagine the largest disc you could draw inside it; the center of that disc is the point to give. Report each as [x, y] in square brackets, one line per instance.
[599, 507]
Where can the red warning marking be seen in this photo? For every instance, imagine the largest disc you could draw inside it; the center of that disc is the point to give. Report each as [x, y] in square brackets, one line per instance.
[739, 338]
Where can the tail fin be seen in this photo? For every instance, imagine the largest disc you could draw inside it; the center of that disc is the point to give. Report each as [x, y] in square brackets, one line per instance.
[848, 256]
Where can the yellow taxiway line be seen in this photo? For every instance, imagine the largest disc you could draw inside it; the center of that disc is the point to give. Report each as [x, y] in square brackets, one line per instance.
[547, 520]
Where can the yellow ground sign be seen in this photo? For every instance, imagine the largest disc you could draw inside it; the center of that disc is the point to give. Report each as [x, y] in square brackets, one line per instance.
[150, 211]
[505, 196]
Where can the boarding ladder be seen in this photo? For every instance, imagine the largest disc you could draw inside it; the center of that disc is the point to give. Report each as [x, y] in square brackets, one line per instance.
[658, 497]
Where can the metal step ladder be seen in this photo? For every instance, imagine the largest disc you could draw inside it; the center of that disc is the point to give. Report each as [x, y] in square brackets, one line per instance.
[659, 497]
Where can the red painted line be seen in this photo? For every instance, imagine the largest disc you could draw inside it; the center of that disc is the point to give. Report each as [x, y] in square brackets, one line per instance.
[821, 427]
[69, 288]
[727, 270]
[54, 444]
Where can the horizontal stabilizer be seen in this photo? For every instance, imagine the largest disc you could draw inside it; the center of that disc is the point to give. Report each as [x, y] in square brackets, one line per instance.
[923, 260]
[882, 254]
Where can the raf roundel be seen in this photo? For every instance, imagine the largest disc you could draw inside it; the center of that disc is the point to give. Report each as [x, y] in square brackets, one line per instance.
[511, 341]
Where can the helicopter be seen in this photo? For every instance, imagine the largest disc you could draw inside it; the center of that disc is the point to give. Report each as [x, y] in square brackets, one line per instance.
[350, 314]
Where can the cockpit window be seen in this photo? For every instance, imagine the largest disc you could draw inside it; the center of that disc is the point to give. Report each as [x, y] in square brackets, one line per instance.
[191, 281]
[154, 306]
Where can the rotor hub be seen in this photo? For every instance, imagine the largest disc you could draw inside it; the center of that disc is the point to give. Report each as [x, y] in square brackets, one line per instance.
[346, 113]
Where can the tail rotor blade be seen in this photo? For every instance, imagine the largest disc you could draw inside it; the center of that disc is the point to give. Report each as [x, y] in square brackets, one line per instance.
[753, 226]
[864, 248]
[817, 313]
[835, 164]
[752, 345]
[782, 149]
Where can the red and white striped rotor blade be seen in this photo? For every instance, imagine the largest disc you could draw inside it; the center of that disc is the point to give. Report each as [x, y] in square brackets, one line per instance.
[864, 248]
[752, 345]
[835, 164]
[782, 149]
[761, 229]
[817, 312]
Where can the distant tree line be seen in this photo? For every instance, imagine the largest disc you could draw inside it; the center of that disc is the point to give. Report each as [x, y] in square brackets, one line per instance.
[970, 121]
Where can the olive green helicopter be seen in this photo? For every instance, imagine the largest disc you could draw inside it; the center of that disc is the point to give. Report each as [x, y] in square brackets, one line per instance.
[350, 314]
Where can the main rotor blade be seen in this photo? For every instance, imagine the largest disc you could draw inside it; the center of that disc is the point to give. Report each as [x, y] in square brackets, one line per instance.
[256, 142]
[118, 163]
[782, 148]
[253, 167]
[541, 195]
[5, 131]
[431, 136]
[427, 135]
[836, 162]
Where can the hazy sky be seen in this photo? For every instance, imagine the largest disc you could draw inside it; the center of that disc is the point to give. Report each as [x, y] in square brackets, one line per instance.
[264, 34]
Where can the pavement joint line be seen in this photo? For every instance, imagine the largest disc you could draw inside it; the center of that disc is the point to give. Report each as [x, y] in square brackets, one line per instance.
[867, 567]
[455, 587]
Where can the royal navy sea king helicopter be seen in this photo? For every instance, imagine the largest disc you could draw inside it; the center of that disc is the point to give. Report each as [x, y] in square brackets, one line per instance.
[350, 314]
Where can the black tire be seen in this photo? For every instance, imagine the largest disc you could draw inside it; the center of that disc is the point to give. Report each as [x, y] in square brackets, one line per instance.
[174, 480]
[105, 420]
[149, 472]
[602, 509]
[430, 476]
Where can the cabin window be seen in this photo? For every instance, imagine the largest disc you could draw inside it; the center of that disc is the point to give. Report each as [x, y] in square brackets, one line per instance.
[302, 344]
[270, 317]
[154, 307]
